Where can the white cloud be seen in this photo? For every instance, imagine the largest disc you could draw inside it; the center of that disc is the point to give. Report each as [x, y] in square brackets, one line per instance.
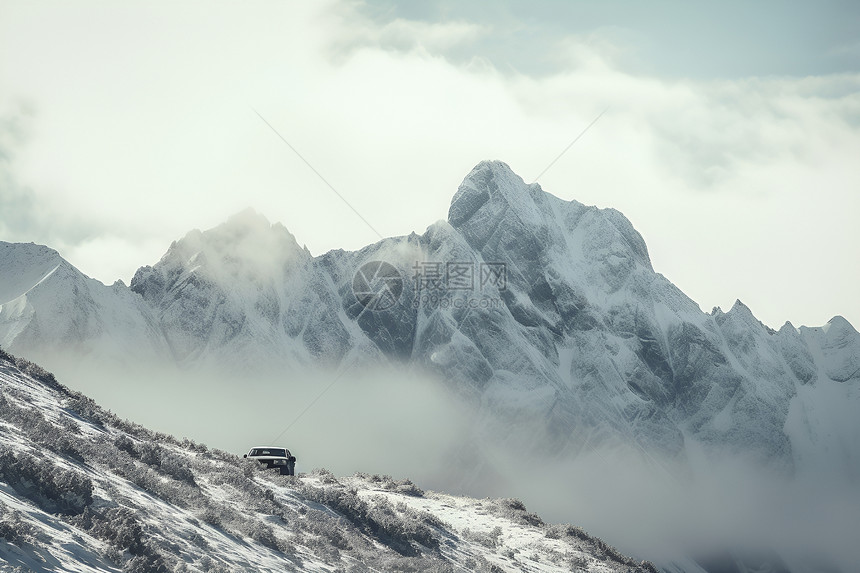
[405, 35]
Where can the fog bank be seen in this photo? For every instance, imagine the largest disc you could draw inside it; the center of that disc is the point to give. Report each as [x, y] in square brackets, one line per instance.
[400, 422]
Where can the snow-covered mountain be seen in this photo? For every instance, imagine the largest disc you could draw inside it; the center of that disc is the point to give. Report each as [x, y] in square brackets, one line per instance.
[546, 313]
[82, 490]
[50, 305]
[545, 316]
[245, 291]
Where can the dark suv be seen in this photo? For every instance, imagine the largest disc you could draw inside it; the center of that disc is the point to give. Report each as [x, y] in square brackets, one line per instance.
[274, 457]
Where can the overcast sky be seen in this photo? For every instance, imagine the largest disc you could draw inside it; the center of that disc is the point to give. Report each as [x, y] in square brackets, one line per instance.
[732, 138]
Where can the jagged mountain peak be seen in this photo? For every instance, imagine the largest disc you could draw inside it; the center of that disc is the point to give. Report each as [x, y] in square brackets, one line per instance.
[493, 186]
[839, 324]
[24, 265]
[248, 217]
[246, 244]
[243, 280]
[250, 229]
[741, 312]
[496, 211]
[28, 249]
[840, 345]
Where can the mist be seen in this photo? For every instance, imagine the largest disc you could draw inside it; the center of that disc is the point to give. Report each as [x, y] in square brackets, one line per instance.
[662, 510]
[379, 420]
[407, 424]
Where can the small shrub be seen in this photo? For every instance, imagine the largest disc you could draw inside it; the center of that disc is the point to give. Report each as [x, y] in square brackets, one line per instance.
[151, 563]
[577, 532]
[515, 510]
[124, 443]
[86, 409]
[120, 527]
[35, 371]
[177, 468]
[378, 520]
[210, 515]
[262, 534]
[51, 487]
[487, 539]
[324, 476]
[406, 487]
[15, 530]
[512, 503]
[554, 532]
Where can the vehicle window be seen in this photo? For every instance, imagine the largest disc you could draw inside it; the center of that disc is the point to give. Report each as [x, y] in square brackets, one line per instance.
[268, 452]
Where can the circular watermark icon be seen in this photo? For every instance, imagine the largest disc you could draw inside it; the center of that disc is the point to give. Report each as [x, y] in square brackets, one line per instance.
[377, 285]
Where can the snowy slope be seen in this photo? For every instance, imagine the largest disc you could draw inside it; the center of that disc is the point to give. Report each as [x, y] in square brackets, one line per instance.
[25, 267]
[48, 306]
[81, 490]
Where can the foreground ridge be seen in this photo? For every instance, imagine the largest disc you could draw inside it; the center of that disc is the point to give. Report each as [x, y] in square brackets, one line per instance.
[82, 490]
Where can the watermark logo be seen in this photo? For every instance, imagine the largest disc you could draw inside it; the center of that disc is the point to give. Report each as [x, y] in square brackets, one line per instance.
[455, 284]
[377, 285]
[459, 276]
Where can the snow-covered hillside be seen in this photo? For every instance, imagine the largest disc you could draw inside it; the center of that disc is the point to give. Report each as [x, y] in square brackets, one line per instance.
[81, 490]
[48, 304]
